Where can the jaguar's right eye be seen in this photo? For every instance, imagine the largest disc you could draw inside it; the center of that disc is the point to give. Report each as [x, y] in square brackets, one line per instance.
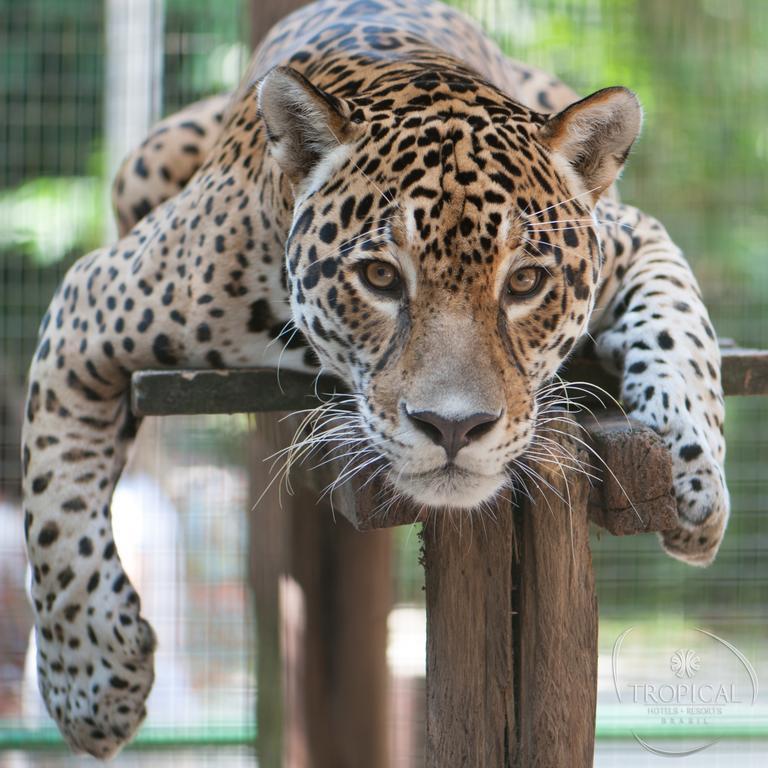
[381, 277]
[525, 282]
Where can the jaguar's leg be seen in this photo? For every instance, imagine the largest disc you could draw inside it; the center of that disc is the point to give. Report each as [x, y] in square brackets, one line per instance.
[654, 330]
[197, 282]
[94, 648]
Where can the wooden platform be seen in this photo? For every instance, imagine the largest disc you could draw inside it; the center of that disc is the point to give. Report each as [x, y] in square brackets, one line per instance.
[254, 390]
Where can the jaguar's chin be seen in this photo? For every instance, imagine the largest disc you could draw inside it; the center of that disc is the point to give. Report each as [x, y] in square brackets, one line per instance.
[450, 487]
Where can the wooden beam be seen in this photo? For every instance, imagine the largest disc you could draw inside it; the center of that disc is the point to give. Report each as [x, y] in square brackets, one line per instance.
[336, 668]
[252, 390]
[743, 372]
[471, 717]
[511, 605]
[268, 555]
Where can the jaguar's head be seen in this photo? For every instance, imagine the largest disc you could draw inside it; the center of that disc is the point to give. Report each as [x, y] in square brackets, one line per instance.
[443, 259]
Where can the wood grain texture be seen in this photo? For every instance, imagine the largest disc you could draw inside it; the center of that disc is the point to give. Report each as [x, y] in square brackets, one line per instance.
[470, 644]
[268, 557]
[745, 371]
[634, 492]
[555, 622]
[511, 606]
[512, 631]
[344, 579]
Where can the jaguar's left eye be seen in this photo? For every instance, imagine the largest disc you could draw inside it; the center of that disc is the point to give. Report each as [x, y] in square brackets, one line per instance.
[525, 282]
[380, 276]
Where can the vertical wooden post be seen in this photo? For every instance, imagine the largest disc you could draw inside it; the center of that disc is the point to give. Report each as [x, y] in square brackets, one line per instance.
[555, 627]
[323, 594]
[470, 670]
[358, 648]
[345, 578]
[268, 555]
[512, 634]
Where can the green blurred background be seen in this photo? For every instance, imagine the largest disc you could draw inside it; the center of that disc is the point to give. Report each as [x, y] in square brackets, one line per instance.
[700, 68]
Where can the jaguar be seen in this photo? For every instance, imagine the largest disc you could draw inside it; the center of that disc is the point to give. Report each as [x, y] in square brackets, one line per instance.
[388, 198]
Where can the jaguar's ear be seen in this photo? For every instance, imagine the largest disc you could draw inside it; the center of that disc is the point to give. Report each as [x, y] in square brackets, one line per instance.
[594, 136]
[303, 123]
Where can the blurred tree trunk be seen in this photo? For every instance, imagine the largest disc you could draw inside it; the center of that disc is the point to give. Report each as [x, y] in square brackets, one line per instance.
[323, 595]
[280, 743]
[266, 13]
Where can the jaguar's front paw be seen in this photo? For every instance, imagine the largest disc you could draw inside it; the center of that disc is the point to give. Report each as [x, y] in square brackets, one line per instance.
[95, 670]
[702, 505]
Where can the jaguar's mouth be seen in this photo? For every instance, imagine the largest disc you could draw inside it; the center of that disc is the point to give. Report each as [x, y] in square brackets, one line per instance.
[449, 469]
[449, 486]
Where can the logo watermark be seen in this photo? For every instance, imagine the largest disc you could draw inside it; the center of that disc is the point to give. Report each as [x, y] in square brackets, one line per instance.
[686, 685]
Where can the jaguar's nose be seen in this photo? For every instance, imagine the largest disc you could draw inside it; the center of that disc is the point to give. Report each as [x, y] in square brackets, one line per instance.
[452, 434]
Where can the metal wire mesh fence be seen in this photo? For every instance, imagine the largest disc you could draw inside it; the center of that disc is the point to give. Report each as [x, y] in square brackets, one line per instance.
[702, 167]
